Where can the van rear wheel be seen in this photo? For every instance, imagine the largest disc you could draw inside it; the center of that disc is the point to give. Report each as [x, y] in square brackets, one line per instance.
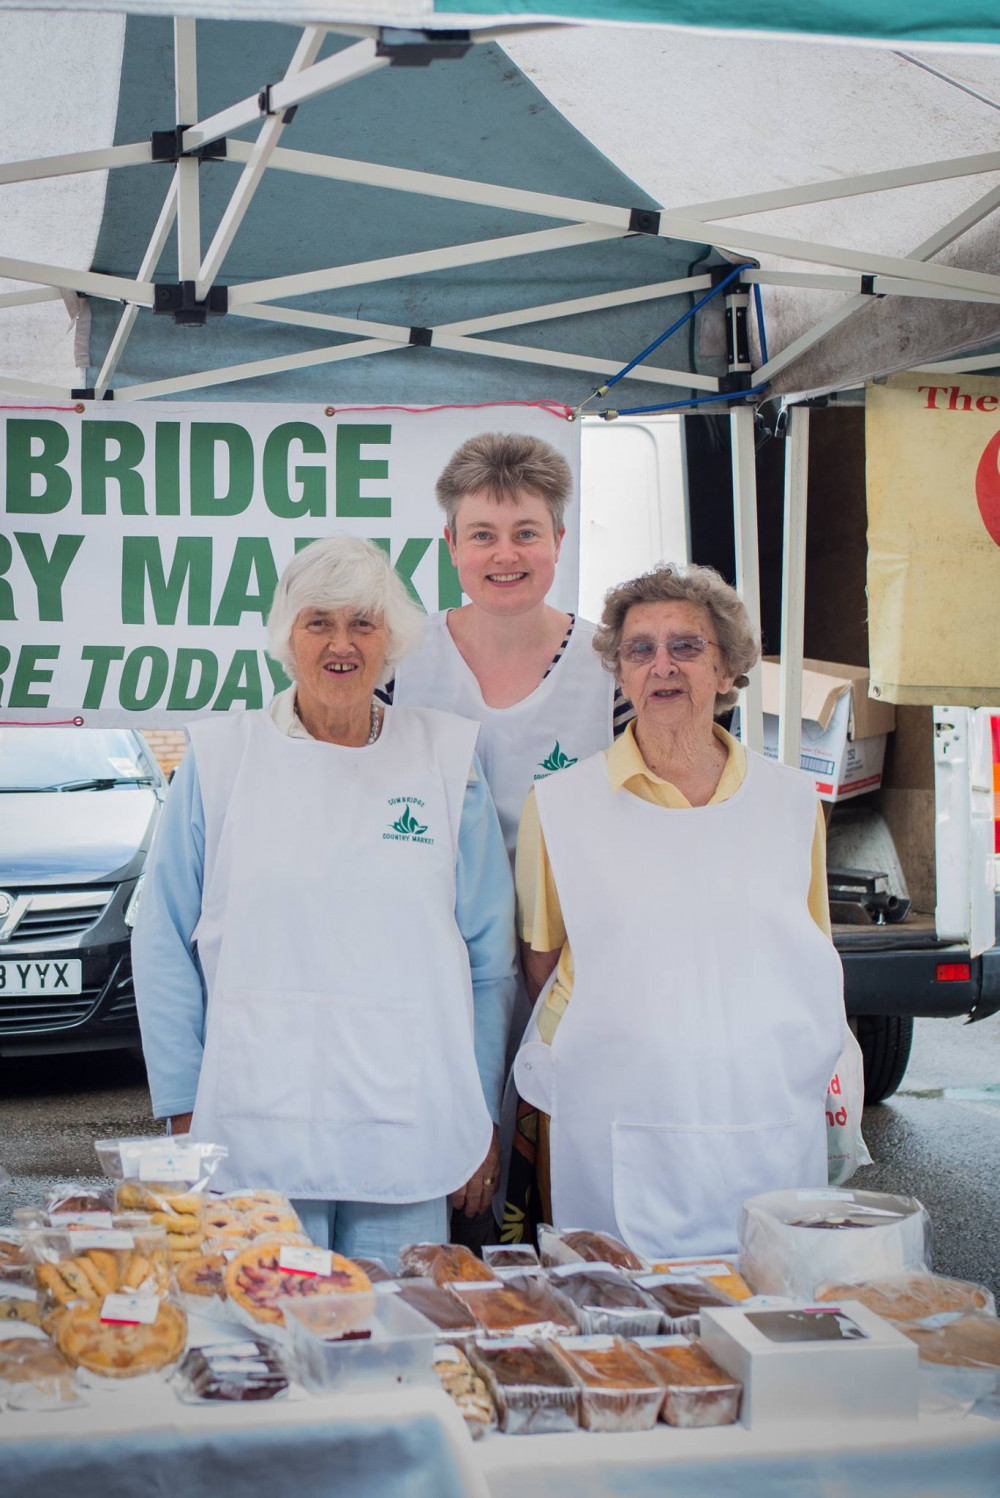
[885, 1041]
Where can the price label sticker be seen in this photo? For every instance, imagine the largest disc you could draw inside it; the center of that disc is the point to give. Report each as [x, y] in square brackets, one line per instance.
[305, 1260]
[181, 1163]
[130, 1310]
[99, 1238]
[80, 1219]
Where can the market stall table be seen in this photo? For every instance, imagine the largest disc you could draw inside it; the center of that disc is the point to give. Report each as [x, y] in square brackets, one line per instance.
[936, 1455]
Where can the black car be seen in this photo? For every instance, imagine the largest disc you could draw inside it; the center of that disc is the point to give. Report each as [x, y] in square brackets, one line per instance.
[78, 809]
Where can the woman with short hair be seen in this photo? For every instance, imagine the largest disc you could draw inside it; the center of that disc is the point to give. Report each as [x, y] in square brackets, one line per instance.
[674, 919]
[324, 955]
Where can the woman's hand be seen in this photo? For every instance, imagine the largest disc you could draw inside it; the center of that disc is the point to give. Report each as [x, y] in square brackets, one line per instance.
[181, 1123]
[475, 1196]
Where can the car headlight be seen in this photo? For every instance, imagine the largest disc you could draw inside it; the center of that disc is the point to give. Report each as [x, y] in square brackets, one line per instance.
[132, 908]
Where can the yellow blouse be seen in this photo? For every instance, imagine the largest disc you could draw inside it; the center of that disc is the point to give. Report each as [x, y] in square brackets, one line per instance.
[539, 911]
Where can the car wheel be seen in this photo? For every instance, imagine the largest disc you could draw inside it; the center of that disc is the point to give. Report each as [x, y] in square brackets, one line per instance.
[885, 1041]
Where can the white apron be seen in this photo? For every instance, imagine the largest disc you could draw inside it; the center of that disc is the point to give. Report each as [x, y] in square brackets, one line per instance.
[566, 718]
[691, 1066]
[339, 1061]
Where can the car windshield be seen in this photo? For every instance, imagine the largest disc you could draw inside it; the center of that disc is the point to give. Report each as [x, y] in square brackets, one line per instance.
[35, 759]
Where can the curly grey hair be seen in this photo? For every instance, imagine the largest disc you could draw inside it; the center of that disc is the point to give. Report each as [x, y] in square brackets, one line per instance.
[501, 463]
[738, 641]
[344, 572]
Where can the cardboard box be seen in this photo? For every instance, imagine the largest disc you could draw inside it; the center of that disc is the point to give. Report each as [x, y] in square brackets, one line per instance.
[814, 1362]
[844, 730]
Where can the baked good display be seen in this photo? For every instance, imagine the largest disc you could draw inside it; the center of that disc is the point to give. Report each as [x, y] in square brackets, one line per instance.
[224, 1222]
[511, 1256]
[969, 1341]
[463, 1384]
[566, 1245]
[14, 1265]
[205, 1274]
[681, 1301]
[118, 1349]
[271, 1219]
[73, 1202]
[158, 1196]
[256, 1282]
[524, 1304]
[911, 1297]
[34, 1375]
[452, 1319]
[697, 1391]
[533, 1391]
[606, 1302]
[376, 1269]
[443, 1263]
[618, 1390]
[249, 1201]
[137, 1262]
[23, 1308]
[721, 1274]
[232, 1371]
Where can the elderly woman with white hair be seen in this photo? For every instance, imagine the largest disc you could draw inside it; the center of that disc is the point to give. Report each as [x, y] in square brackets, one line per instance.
[672, 892]
[324, 955]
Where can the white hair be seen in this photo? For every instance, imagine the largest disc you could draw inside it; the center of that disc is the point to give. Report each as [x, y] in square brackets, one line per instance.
[344, 572]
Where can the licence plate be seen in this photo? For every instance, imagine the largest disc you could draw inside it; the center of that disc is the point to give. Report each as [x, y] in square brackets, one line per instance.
[30, 979]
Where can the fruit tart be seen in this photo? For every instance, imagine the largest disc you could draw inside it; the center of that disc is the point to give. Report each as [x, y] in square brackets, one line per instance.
[256, 1282]
[117, 1349]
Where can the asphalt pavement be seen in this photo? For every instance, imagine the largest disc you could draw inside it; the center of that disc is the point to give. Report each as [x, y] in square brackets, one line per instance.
[937, 1139]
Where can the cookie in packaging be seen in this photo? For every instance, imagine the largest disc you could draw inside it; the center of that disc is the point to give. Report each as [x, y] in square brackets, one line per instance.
[522, 1304]
[607, 1302]
[618, 1391]
[162, 1174]
[697, 1391]
[14, 1265]
[34, 1375]
[532, 1390]
[231, 1372]
[681, 1300]
[442, 1262]
[83, 1265]
[464, 1385]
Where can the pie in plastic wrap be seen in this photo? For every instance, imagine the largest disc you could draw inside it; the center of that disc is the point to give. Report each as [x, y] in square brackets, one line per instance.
[119, 1350]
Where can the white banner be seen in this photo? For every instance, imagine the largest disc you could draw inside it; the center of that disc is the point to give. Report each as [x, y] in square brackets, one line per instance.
[140, 550]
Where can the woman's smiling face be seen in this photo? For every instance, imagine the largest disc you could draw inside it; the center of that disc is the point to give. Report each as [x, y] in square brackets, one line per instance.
[505, 551]
[666, 692]
[339, 655]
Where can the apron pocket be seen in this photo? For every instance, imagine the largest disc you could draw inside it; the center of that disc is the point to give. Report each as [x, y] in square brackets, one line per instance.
[332, 1058]
[678, 1188]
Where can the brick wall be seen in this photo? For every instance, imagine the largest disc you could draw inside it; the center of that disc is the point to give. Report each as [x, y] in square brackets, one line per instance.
[167, 744]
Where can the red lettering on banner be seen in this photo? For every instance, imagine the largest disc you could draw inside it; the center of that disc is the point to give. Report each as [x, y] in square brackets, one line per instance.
[987, 403]
[957, 399]
[988, 488]
[933, 391]
[955, 396]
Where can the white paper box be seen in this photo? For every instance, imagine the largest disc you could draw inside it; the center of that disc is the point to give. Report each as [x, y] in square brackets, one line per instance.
[844, 731]
[875, 1377]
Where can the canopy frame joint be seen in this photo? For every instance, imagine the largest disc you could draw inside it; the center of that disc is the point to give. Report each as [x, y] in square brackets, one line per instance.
[168, 146]
[178, 298]
[409, 48]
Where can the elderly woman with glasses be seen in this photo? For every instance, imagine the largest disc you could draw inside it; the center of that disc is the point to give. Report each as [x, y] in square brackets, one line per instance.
[324, 955]
[672, 896]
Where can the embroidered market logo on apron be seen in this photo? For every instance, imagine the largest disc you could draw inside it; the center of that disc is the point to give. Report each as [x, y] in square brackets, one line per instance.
[406, 828]
[557, 760]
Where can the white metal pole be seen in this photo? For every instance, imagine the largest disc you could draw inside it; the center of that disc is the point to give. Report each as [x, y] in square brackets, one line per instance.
[747, 562]
[793, 585]
[188, 205]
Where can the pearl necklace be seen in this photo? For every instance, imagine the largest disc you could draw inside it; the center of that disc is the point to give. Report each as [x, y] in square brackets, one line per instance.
[375, 724]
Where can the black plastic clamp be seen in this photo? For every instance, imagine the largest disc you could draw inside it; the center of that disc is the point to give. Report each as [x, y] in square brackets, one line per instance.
[415, 49]
[644, 221]
[734, 383]
[168, 145]
[720, 273]
[178, 298]
[421, 337]
[737, 334]
[868, 286]
[265, 106]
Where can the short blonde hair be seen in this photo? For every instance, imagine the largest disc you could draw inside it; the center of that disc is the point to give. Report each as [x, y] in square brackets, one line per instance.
[344, 572]
[739, 642]
[501, 463]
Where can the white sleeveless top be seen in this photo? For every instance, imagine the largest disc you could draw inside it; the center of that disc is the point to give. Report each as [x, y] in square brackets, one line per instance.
[566, 718]
[691, 1067]
[339, 1061]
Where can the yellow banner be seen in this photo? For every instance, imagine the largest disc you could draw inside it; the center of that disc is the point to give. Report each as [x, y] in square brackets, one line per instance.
[933, 445]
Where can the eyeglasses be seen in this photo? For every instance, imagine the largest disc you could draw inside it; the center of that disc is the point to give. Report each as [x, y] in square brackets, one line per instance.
[641, 651]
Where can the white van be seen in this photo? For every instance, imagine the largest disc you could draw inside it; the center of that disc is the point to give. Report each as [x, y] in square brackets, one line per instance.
[913, 865]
